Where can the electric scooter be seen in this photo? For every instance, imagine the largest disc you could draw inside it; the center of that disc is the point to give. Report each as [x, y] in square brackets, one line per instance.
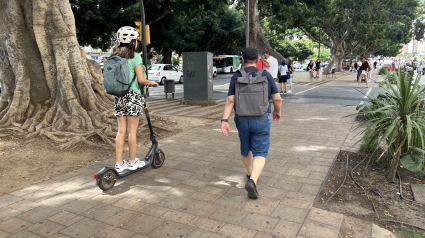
[155, 157]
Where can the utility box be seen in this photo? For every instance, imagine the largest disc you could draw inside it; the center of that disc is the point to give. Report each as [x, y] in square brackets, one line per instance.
[198, 76]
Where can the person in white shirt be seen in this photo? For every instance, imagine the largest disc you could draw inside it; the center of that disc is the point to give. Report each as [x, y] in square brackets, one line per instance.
[273, 64]
[283, 68]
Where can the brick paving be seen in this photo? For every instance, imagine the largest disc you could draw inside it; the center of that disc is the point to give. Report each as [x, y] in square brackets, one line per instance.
[199, 192]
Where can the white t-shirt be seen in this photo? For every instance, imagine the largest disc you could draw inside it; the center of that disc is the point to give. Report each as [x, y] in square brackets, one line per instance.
[283, 69]
[273, 66]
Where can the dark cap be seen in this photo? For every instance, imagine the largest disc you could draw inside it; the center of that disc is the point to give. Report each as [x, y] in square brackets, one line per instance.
[250, 53]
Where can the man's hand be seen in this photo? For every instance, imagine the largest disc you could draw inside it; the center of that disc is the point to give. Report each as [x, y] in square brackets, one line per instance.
[225, 127]
[276, 116]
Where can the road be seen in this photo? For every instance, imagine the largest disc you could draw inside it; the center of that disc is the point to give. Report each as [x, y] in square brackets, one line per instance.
[322, 94]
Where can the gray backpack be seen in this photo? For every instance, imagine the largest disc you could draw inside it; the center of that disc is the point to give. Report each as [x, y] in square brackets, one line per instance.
[115, 76]
[251, 94]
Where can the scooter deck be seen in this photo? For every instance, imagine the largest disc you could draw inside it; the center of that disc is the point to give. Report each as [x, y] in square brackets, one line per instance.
[126, 173]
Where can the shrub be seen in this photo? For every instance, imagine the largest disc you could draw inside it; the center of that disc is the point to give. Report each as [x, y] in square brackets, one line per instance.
[391, 77]
[383, 70]
[396, 118]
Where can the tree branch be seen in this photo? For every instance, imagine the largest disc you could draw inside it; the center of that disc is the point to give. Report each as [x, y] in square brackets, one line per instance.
[164, 13]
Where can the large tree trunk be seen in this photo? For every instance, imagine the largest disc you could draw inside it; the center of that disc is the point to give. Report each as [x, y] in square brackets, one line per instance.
[334, 57]
[256, 37]
[167, 56]
[50, 88]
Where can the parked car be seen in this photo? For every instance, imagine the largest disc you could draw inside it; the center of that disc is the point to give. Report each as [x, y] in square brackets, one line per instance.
[298, 67]
[161, 72]
[214, 71]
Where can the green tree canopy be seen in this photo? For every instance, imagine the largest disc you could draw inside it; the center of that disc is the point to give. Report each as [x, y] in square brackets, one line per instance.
[190, 25]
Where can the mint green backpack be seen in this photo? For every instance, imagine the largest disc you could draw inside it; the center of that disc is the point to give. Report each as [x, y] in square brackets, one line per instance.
[115, 76]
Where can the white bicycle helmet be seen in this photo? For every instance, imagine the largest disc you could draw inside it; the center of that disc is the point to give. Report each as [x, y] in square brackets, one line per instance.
[127, 33]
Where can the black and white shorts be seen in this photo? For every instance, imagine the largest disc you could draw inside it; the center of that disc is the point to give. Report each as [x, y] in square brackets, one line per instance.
[130, 104]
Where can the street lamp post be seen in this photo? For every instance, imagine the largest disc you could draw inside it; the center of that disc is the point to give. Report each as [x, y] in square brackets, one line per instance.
[145, 49]
[247, 22]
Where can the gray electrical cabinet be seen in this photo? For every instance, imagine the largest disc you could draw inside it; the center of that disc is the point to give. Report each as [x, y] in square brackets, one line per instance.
[198, 75]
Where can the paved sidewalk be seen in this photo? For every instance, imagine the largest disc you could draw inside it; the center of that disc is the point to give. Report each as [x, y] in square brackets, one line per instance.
[199, 192]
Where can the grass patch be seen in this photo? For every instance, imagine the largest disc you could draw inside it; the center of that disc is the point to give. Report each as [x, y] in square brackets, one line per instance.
[410, 232]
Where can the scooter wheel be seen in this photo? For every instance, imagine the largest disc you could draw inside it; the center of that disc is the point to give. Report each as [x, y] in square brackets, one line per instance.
[108, 180]
[158, 160]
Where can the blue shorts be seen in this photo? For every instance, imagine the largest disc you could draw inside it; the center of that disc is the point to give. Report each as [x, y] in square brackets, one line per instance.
[254, 134]
[290, 81]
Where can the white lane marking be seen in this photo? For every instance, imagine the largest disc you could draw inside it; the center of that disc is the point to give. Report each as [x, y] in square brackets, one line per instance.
[307, 90]
[367, 94]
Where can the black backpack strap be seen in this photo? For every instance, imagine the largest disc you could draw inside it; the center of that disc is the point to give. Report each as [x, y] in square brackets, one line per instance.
[132, 81]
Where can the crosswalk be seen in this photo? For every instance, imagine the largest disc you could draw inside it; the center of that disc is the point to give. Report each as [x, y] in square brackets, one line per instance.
[178, 108]
[312, 83]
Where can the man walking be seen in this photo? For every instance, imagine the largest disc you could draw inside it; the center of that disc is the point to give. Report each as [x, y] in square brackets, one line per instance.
[359, 64]
[273, 64]
[252, 116]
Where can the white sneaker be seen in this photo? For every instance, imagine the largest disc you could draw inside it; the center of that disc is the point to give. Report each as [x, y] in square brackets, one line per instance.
[138, 163]
[289, 91]
[121, 167]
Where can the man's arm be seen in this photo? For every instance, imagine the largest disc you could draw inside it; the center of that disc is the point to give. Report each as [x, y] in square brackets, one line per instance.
[230, 102]
[277, 102]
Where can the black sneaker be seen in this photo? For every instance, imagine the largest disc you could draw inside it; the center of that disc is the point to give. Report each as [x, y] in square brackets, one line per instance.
[252, 189]
[248, 177]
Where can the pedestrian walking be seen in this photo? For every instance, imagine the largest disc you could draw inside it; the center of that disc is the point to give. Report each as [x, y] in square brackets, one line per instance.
[369, 73]
[129, 108]
[290, 75]
[317, 68]
[419, 68]
[240, 65]
[359, 64]
[423, 67]
[252, 117]
[374, 64]
[273, 64]
[283, 68]
[364, 69]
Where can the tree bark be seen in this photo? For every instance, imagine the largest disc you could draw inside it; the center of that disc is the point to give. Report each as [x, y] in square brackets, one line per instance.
[334, 56]
[49, 88]
[167, 56]
[256, 37]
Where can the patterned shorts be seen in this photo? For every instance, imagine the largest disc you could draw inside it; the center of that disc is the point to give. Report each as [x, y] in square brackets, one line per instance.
[130, 104]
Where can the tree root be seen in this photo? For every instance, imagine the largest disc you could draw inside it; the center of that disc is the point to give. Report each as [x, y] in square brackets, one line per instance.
[342, 184]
